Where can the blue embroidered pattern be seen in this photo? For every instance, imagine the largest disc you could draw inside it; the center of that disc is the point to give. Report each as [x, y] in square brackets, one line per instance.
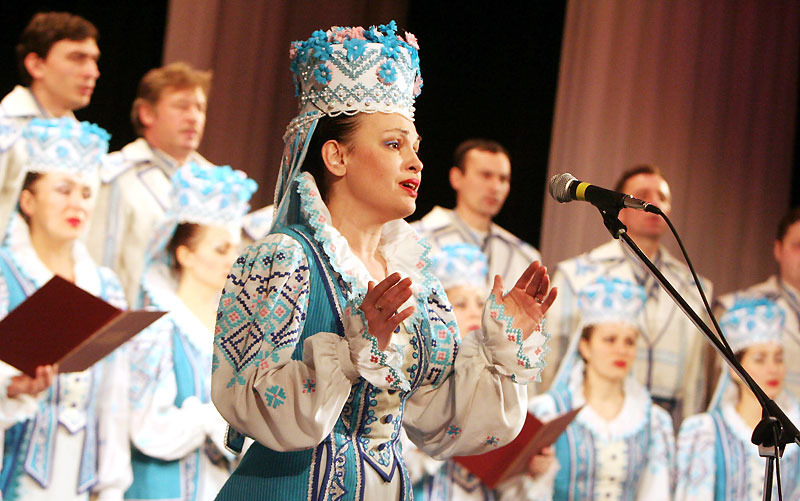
[275, 396]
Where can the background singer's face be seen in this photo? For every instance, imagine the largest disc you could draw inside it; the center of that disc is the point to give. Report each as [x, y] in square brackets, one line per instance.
[787, 254]
[650, 188]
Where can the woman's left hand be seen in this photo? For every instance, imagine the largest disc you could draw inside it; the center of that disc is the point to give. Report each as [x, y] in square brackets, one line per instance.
[529, 299]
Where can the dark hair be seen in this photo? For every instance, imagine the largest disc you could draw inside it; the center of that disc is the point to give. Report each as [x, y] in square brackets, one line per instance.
[27, 184]
[186, 234]
[44, 30]
[635, 171]
[476, 144]
[339, 128]
[786, 221]
[177, 75]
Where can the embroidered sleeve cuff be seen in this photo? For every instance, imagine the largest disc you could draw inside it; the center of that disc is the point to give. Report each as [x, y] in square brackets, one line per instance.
[381, 368]
[521, 360]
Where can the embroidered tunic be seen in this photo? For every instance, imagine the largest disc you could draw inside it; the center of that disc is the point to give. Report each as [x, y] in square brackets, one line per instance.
[508, 256]
[717, 460]
[788, 298]
[176, 433]
[77, 441]
[132, 201]
[628, 458]
[295, 369]
[670, 357]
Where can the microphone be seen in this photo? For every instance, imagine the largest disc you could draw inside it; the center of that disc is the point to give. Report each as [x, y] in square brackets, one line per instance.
[565, 188]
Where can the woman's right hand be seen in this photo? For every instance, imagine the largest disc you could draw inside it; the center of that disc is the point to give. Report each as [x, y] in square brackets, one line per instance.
[542, 462]
[22, 383]
[380, 307]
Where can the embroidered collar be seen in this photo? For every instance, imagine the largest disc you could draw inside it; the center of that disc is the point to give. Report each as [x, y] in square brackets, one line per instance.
[27, 261]
[21, 103]
[400, 245]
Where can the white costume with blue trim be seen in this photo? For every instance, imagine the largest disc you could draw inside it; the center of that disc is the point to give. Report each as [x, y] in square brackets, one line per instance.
[132, 202]
[508, 256]
[177, 434]
[716, 457]
[670, 360]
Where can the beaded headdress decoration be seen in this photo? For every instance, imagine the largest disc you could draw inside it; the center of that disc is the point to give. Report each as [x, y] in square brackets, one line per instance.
[460, 264]
[749, 321]
[345, 70]
[65, 145]
[606, 300]
[206, 195]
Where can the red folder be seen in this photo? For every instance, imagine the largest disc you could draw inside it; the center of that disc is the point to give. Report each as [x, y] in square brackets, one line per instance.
[63, 324]
[500, 464]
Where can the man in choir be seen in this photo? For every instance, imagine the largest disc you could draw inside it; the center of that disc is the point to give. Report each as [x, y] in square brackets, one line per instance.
[670, 359]
[783, 289]
[169, 114]
[57, 62]
[481, 178]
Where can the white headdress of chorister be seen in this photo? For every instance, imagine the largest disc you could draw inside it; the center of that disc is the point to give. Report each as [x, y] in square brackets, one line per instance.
[205, 195]
[343, 71]
[459, 265]
[65, 145]
[606, 300]
[749, 321]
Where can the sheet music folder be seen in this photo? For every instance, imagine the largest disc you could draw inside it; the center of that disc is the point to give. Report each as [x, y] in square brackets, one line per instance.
[505, 462]
[62, 323]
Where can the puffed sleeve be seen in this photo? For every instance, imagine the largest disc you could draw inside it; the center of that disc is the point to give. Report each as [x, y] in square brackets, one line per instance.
[482, 404]
[656, 481]
[259, 389]
[159, 427]
[696, 468]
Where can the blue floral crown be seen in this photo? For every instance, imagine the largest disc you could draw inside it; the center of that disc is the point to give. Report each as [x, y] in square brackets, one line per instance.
[752, 320]
[611, 300]
[351, 70]
[460, 264]
[65, 145]
[210, 194]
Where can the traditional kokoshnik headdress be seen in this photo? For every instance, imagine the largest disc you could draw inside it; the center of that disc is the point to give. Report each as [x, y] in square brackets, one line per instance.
[606, 300]
[206, 195]
[65, 145]
[344, 71]
[461, 264]
[749, 321]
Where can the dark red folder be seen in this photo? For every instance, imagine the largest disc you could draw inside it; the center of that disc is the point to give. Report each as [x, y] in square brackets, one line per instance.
[500, 464]
[62, 323]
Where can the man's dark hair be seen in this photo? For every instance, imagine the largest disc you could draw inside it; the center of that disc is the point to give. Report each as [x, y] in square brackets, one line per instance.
[635, 171]
[786, 221]
[44, 30]
[476, 144]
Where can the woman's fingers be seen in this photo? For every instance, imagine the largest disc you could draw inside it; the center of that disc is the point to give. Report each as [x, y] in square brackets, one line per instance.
[527, 275]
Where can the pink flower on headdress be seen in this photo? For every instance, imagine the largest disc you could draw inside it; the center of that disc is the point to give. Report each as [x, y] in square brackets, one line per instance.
[293, 50]
[417, 86]
[339, 35]
[412, 40]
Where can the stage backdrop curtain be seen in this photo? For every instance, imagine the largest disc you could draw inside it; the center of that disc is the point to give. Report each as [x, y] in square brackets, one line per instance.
[705, 90]
[246, 44]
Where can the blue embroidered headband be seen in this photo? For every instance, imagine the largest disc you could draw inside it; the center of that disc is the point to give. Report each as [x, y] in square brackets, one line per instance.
[65, 145]
[611, 300]
[752, 320]
[345, 70]
[210, 195]
[460, 264]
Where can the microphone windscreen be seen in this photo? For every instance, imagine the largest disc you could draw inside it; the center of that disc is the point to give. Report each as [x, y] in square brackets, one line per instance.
[558, 187]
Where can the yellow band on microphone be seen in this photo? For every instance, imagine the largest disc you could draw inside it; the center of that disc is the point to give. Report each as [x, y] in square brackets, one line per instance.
[580, 191]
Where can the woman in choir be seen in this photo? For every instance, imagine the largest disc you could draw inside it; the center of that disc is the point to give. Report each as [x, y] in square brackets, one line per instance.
[620, 445]
[716, 459]
[333, 332]
[177, 434]
[75, 443]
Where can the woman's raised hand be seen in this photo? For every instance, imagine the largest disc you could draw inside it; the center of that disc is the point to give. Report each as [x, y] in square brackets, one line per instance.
[529, 299]
[23, 383]
[380, 307]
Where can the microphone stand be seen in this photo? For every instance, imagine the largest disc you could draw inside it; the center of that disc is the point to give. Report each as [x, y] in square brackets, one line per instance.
[775, 430]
